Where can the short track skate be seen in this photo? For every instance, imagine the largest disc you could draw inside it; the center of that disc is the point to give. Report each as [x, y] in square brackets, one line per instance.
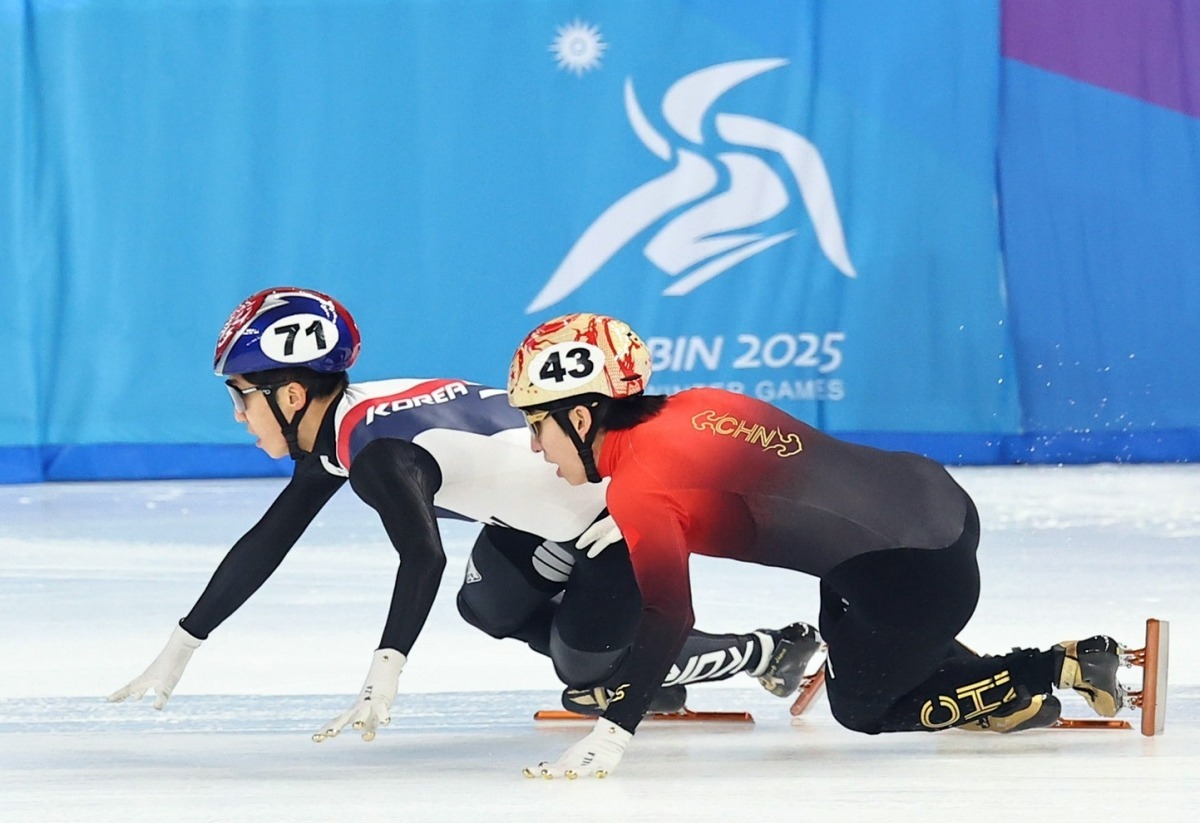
[1151, 700]
[669, 703]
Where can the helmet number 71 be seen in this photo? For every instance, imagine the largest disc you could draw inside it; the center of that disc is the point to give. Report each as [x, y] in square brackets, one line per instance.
[315, 330]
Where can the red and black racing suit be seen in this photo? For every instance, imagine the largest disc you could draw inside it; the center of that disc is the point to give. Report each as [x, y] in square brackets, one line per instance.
[891, 536]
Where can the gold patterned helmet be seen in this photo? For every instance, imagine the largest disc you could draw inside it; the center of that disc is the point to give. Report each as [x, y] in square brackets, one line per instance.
[575, 355]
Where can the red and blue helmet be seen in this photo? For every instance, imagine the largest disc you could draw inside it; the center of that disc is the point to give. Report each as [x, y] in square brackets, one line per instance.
[282, 327]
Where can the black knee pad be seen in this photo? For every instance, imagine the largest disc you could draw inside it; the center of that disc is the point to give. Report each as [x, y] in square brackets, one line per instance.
[497, 618]
[852, 714]
[469, 614]
[580, 669]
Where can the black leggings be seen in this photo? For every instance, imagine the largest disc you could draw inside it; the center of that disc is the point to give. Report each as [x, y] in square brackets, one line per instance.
[516, 586]
[581, 612]
[890, 619]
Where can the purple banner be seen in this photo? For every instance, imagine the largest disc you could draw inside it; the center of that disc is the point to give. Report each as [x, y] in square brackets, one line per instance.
[1148, 49]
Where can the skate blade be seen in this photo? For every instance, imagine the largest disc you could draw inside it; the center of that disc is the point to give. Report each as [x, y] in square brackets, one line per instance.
[1153, 659]
[686, 714]
[810, 689]
[1089, 723]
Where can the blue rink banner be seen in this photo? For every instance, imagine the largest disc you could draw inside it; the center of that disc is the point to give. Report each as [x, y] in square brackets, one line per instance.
[794, 200]
[1100, 170]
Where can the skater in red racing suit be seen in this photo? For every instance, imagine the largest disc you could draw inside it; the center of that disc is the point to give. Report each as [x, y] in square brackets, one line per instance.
[891, 536]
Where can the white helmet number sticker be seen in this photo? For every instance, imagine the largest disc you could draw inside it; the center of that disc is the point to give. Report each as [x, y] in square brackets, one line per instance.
[566, 366]
[299, 338]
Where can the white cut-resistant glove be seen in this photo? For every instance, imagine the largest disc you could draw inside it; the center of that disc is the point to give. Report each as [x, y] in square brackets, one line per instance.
[163, 674]
[597, 754]
[374, 705]
[600, 535]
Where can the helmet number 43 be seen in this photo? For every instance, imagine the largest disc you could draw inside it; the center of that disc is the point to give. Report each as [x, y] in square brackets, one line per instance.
[566, 365]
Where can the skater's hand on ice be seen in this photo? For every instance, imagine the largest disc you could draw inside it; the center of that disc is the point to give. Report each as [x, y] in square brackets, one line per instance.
[600, 535]
[374, 704]
[163, 674]
[596, 755]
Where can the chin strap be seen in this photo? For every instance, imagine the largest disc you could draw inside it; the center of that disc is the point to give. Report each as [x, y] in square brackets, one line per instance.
[583, 445]
[291, 431]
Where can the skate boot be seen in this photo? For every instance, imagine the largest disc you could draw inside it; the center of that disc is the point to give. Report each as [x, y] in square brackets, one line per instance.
[668, 700]
[794, 647]
[593, 701]
[1090, 668]
[1036, 712]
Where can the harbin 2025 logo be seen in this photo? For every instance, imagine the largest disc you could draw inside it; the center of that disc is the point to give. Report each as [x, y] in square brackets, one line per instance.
[701, 216]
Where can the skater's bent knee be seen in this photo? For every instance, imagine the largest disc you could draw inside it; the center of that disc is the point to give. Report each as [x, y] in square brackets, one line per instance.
[855, 718]
[494, 628]
[581, 669]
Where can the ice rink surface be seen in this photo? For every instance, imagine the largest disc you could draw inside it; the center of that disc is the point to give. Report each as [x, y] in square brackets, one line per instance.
[94, 576]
